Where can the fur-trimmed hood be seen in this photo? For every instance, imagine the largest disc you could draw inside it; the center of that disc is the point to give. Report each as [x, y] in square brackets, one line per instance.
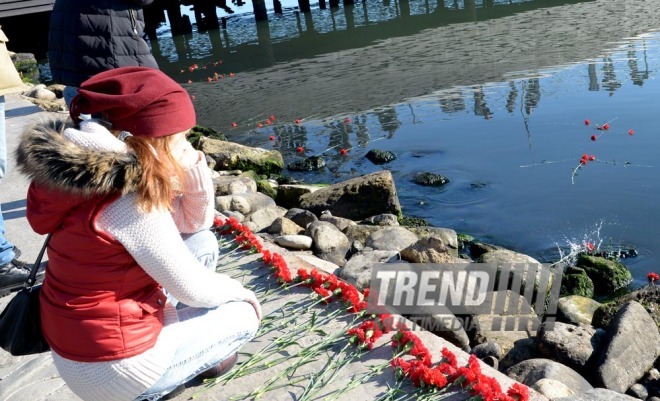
[88, 161]
[69, 166]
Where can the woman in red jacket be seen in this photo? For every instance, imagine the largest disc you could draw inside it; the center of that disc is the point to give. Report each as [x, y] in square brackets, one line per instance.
[129, 203]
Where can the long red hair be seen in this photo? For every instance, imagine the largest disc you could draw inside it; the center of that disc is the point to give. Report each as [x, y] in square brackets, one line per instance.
[158, 186]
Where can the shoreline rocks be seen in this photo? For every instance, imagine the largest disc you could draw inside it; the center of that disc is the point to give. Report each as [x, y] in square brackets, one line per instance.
[352, 225]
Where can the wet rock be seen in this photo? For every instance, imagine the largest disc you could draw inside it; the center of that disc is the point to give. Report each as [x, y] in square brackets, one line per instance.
[430, 179]
[622, 361]
[197, 132]
[607, 275]
[478, 248]
[233, 156]
[267, 187]
[532, 370]
[568, 344]
[575, 281]
[356, 198]
[312, 163]
[379, 156]
[411, 221]
[576, 309]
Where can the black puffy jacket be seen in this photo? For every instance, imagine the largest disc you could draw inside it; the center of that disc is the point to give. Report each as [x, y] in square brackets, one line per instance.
[90, 36]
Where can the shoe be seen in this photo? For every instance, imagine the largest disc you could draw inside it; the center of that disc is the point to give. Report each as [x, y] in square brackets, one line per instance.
[177, 391]
[221, 368]
[17, 252]
[13, 275]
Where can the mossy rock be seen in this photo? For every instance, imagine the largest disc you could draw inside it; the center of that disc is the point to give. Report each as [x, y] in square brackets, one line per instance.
[410, 221]
[648, 297]
[577, 284]
[607, 275]
[264, 187]
[198, 131]
[233, 156]
[463, 240]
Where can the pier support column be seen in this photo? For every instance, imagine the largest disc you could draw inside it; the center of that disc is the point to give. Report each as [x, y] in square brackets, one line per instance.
[304, 6]
[277, 7]
[260, 13]
[178, 24]
[334, 3]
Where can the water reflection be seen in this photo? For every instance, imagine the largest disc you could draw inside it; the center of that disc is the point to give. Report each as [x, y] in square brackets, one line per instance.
[465, 99]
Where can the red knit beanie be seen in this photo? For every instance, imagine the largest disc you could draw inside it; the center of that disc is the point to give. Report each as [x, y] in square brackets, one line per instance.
[143, 101]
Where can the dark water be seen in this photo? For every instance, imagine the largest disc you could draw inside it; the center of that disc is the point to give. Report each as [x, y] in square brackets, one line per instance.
[491, 94]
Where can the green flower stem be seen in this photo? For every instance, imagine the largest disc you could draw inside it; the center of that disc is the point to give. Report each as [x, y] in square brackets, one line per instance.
[305, 356]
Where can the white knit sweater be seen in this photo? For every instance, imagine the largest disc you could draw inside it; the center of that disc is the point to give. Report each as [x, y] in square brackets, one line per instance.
[154, 240]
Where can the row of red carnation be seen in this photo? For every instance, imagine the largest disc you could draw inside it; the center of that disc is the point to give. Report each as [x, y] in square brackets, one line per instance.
[419, 370]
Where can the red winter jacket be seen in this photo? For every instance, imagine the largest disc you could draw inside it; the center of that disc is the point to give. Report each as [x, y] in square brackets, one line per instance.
[97, 304]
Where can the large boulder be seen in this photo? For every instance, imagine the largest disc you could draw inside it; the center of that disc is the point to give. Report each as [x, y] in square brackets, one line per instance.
[264, 218]
[230, 184]
[576, 309]
[575, 281]
[607, 275]
[329, 243]
[233, 156]
[504, 258]
[628, 350]
[568, 344]
[394, 238]
[428, 250]
[532, 370]
[447, 235]
[360, 232]
[356, 198]
[244, 203]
